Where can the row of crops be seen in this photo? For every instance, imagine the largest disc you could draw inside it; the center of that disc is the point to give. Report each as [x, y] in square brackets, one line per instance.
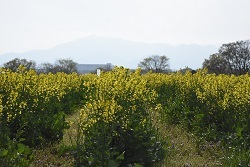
[120, 114]
[215, 108]
[32, 111]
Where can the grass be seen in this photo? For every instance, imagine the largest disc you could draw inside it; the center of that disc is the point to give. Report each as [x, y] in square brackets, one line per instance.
[57, 154]
[182, 149]
[49, 157]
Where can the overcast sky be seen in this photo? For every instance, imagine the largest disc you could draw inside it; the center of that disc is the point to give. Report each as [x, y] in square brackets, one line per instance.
[39, 24]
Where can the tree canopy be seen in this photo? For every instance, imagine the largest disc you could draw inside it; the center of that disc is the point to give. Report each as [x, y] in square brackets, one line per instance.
[61, 65]
[216, 64]
[155, 63]
[232, 58]
[16, 63]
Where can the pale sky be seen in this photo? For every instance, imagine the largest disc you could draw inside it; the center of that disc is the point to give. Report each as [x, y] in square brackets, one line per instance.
[40, 24]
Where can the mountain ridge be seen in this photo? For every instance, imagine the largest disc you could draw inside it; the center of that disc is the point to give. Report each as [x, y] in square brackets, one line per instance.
[102, 50]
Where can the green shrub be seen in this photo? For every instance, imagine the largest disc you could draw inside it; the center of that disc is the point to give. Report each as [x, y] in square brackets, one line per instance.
[12, 151]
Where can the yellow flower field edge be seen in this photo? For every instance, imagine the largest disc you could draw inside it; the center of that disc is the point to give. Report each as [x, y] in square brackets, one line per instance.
[214, 107]
[120, 112]
[116, 127]
[32, 111]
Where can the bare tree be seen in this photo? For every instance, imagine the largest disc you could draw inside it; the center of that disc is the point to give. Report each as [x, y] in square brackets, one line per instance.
[108, 67]
[155, 63]
[61, 65]
[66, 65]
[46, 68]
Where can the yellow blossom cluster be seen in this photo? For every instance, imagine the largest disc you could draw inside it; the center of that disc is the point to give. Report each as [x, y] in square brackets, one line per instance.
[204, 100]
[115, 96]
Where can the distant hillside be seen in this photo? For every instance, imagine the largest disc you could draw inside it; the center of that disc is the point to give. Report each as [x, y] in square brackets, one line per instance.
[101, 50]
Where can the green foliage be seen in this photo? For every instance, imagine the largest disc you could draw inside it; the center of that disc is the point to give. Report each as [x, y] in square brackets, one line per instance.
[213, 107]
[237, 152]
[233, 58]
[12, 151]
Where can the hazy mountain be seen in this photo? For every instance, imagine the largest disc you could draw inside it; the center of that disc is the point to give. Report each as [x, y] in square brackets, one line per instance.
[101, 50]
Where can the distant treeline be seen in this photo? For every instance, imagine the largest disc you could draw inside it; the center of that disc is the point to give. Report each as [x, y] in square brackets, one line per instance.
[232, 58]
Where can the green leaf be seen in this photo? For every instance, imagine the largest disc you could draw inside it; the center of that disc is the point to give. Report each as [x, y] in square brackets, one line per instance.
[199, 116]
[91, 160]
[239, 131]
[120, 157]
[137, 165]
[21, 140]
[115, 153]
[3, 152]
[112, 163]
[20, 148]
[27, 151]
[243, 164]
